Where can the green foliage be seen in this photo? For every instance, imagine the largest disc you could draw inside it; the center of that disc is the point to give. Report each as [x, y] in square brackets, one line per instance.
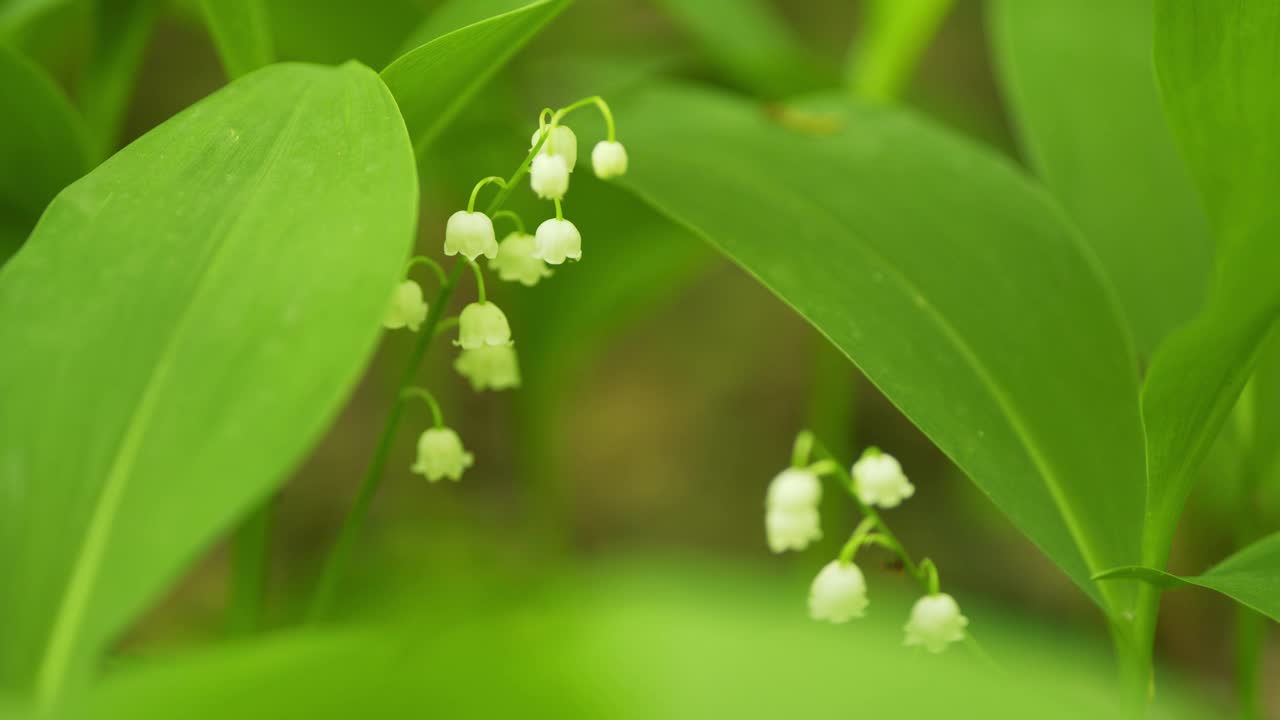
[894, 35]
[162, 388]
[878, 229]
[121, 29]
[1080, 81]
[44, 145]
[241, 33]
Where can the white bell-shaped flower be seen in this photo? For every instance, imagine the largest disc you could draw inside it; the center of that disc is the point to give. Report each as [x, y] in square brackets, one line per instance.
[482, 324]
[556, 241]
[794, 489]
[792, 529]
[609, 159]
[493, 367]
[549, 177]
[838, 593]
[440, 455]
[878, 480]
[560, 142]
[516, 261]
[471, 235]
[935, 622]
[407, 308]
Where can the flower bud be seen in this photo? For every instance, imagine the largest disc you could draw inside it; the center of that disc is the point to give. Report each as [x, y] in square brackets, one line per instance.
[792, 529]
[838, 593]
[516, 261]
[878, 480]
[493, 367]
[556, 241]
[609, 159]
[471, 234]
[407, 308]
[440, 455]
[549, 177]
[794, 489]
[561, 141]
[481, 325]
[935, 621]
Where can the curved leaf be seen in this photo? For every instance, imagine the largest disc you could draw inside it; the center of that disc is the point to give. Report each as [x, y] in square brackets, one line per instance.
[179, 329]
[434, 81]
[945, 276]
[1080, 81]
[241, 32]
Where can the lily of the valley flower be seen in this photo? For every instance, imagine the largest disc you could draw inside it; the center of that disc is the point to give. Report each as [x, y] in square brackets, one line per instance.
[471, 235]
[482, 324]
[935, 622]
[407, 308]
[791, 518]
[516, 261]
[549, 176]
[838, 593]
[493, 367]
[440, 455]
[878, 480]
[562, 142]
[609, 159]
[557, 241]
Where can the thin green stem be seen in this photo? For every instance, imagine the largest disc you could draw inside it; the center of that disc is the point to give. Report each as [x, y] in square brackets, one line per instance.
[426, 396]
[339, 555]
[436, 267]
[516, 219]
[250, 565]
[859, 536]
[475, 269]
[447, 324]
[559, 210]
[802, 449]
[516, 176]
[593, 100]
[475, 191]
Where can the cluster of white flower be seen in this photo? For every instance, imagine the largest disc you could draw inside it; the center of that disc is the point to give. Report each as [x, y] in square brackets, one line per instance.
[488, 358]
[839, 592]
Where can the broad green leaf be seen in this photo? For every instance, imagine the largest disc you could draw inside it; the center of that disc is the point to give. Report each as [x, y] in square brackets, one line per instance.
[432, 82]
[180, 328]
[947, 277]
[334, 31]
[893, 37]
[455, 15]
[44, 145]
[121, 29]
[1251, 577]
[1218, 63]
[1080, 81]
[241, 33]
[751, 43]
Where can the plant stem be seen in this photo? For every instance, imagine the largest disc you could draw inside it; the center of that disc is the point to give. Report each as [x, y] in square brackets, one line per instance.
[250, 566]
[339, 554]
[1251, 631]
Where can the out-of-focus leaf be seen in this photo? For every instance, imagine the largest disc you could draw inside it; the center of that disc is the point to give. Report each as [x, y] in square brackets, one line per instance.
[16, 13]
[947, 277]
[1251, 577]
[43, 146]
[121, 30]
[334, 31]
[1217, 63]
[179, 329]
[751, 44]
[241, 33]
[893, 36]
[432, 82]
[1080, 81]
[455, 15]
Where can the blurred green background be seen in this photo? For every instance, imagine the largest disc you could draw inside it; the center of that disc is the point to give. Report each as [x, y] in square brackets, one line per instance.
[605, 557]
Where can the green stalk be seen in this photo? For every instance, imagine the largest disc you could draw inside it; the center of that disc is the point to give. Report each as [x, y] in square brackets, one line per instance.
[895, 35]
[250, 568]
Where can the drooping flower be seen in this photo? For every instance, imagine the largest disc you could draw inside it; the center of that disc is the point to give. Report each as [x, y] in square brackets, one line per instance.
[556, 241]
[562, 142]
[838, 593]
[471, 235]
[792, 529]
[493, 367]
[878, 480]
[935, 622]
[482, 324]
[549, 177]
[794, 489]
[516, 261]
[609, 159]
[407, 308]
[440, 455]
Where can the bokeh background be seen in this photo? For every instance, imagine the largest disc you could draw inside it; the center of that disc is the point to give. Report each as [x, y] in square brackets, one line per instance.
[605, 557]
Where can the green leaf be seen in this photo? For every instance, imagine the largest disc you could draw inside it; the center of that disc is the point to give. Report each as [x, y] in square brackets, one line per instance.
[241, 33]
[1080, 81]
[455, 15]
[121, 29]
[890, 43]
[333, 31]
[14, 14]
[44, 145]
[1217, 64]
[185, 321]
[751, 44]
[1251, 577]
[950, 280]
[434, 81]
